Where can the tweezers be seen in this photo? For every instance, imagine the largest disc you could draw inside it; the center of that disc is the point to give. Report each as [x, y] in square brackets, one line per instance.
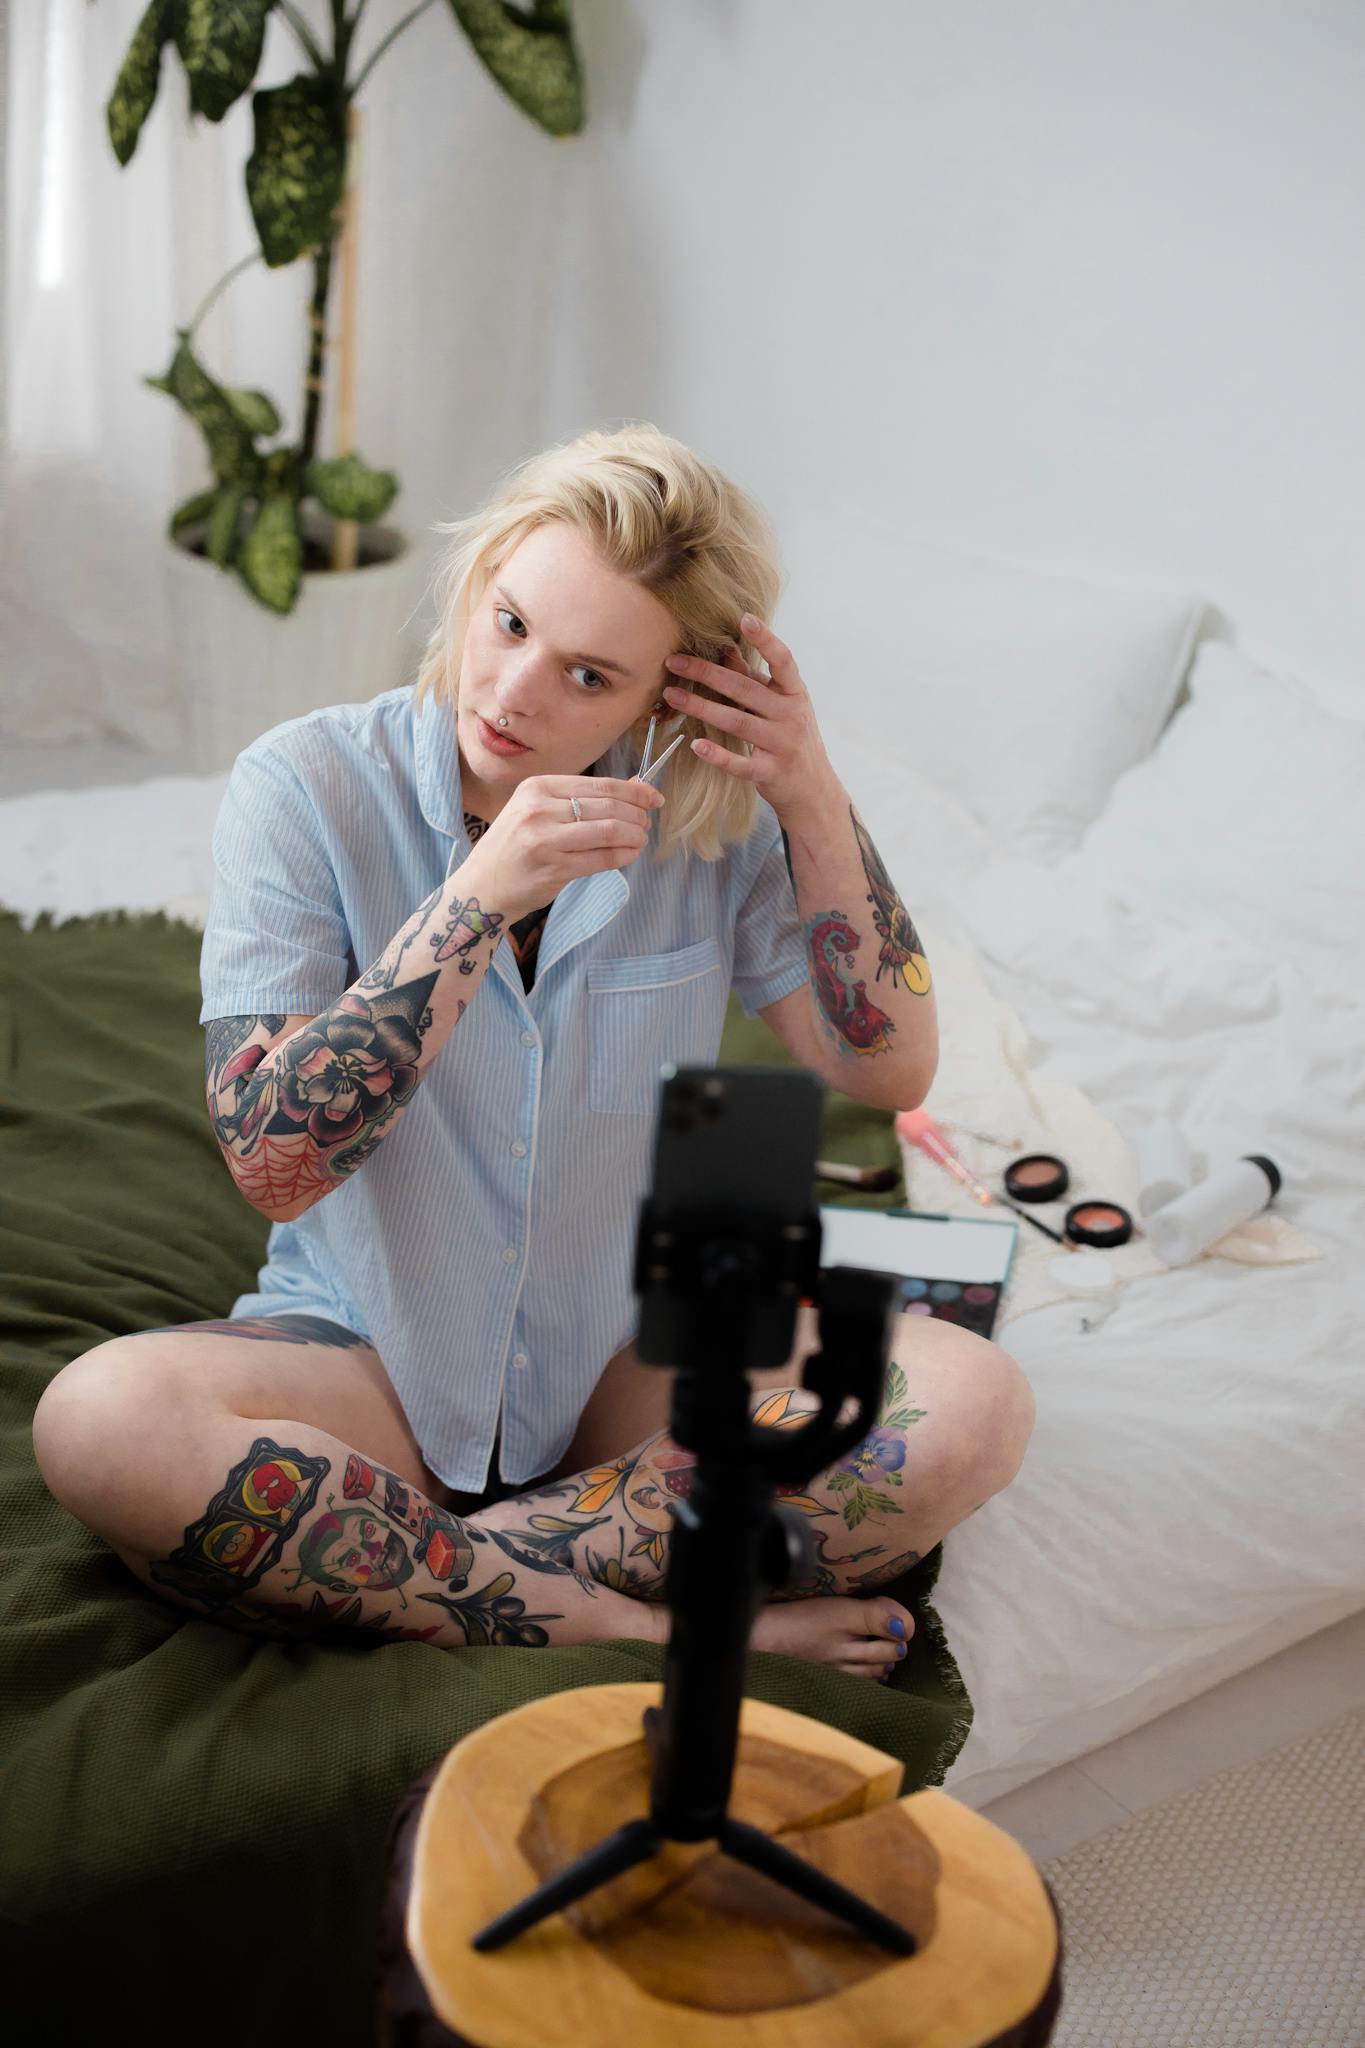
[646, 773]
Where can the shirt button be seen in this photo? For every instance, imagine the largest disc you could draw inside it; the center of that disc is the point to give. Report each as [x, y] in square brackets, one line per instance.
[528, 1037]
[521, 1359]
[509, 1252]
[518, 1149]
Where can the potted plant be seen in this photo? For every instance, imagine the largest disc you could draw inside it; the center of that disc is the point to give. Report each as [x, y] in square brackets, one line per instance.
[287, 591]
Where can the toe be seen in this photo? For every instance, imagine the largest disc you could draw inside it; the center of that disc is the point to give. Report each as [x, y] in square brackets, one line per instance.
[895, 1622]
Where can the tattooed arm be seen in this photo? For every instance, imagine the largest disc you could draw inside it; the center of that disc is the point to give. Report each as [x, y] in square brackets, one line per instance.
[868, 1022]
[295, 1114]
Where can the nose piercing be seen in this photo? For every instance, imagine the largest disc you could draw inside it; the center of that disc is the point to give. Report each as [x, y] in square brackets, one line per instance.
[502, 721]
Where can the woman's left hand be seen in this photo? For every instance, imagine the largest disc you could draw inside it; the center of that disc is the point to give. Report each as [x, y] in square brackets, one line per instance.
[788, 766]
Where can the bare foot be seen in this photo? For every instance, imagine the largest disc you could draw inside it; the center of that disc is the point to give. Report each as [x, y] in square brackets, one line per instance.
[854, 1635]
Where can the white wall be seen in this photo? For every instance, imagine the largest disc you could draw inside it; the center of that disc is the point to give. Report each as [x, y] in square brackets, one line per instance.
[1079, 280]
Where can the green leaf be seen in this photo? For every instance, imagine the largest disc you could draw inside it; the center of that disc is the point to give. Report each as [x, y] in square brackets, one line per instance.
[271, 559]
[135, 88]
[256, 412]
[220, 540]
[349, 489]
[296, 170]
[530, 52]
[181, 31]
[193, 509]
[280, 467]
[220, 48]
[232, 452]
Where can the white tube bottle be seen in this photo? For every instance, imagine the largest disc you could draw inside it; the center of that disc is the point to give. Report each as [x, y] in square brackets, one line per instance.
[1209, 1210]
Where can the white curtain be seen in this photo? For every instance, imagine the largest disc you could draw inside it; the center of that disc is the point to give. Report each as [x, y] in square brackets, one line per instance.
[102, 264]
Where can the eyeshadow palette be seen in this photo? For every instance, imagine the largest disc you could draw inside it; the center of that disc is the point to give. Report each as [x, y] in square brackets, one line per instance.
[973, 1303]
[954, 1267]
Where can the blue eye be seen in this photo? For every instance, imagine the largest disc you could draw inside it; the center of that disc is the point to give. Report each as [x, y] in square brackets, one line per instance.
[501, 612]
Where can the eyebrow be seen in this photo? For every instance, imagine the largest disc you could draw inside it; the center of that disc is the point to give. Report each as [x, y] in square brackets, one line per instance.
[594, 660]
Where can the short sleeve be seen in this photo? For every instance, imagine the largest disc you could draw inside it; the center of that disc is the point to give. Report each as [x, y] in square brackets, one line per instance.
[770, 944]
[275, 937]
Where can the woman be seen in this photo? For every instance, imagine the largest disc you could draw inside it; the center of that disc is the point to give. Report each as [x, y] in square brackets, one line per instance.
[428, 1420]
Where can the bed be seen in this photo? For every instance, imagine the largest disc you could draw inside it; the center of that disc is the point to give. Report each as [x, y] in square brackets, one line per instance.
[1141, 851]
[1146, 847]
[182, 1808]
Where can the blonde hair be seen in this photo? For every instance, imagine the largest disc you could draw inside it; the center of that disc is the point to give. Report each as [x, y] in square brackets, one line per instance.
[680, 529]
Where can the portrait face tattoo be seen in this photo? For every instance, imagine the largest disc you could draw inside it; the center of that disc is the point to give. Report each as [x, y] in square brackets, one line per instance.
[350, 1551]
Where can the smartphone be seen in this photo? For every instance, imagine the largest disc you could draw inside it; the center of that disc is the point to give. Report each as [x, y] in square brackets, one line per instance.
[736, 1145]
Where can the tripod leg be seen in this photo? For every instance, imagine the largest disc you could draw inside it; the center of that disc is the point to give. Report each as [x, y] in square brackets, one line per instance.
[617, 1852]
[750, 1845]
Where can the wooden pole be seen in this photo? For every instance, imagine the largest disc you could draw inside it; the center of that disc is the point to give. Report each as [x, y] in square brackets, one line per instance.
[345, 532]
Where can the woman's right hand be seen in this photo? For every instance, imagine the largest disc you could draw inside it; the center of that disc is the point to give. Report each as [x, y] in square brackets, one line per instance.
[535, 844]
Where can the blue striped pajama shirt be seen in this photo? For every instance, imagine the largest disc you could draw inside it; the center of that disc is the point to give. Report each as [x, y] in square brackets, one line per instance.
[485, 1248]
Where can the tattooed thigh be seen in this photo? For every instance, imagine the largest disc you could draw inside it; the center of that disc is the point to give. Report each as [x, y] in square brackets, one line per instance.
[952, 1421]
[613, 1521]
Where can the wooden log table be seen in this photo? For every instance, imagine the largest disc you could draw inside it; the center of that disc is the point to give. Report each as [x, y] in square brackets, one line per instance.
[694, 1949]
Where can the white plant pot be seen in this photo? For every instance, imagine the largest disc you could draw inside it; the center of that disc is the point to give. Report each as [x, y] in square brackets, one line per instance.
[243, 668]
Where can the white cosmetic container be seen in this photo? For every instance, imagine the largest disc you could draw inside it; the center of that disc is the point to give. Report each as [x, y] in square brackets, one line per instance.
[1165, 1169]
[1182, 1229]
[1087, 1275]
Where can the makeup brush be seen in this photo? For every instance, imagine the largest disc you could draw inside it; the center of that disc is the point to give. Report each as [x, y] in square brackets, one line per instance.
[919, 1128]
[875, 1178]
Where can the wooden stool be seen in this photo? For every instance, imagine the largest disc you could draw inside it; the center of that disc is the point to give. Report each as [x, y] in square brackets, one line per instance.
[679, 1949]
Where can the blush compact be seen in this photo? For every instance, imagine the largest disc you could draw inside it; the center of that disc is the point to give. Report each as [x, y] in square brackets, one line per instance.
[1037, 1178]
[1042, 1177]
[1098, 1223]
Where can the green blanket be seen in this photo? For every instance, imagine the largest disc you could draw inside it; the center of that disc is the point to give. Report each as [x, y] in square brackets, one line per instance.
[193, 1825]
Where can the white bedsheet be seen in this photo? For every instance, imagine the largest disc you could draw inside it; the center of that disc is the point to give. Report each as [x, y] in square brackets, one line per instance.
[1192, 1499]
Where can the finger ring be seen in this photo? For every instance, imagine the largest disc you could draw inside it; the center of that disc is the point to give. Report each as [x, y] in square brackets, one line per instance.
[577, 813]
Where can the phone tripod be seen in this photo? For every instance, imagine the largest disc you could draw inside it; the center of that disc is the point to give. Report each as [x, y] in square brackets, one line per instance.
[729, 1542]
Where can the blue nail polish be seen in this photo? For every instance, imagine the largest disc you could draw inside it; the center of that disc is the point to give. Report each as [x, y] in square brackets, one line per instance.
[897, 1625]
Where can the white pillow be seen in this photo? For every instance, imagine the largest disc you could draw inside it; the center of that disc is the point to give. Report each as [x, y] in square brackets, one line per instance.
[1249, 818]
[928, 843]
[1023, 692]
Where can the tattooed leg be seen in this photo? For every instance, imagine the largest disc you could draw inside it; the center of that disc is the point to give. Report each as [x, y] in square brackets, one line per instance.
[288, 1531]
[613, 1522]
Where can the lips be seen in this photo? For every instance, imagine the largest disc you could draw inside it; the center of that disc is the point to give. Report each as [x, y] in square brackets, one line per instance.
[504, 736]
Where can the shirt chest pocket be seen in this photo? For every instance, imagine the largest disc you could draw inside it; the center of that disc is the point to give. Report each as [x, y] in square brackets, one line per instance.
[645, 1010]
